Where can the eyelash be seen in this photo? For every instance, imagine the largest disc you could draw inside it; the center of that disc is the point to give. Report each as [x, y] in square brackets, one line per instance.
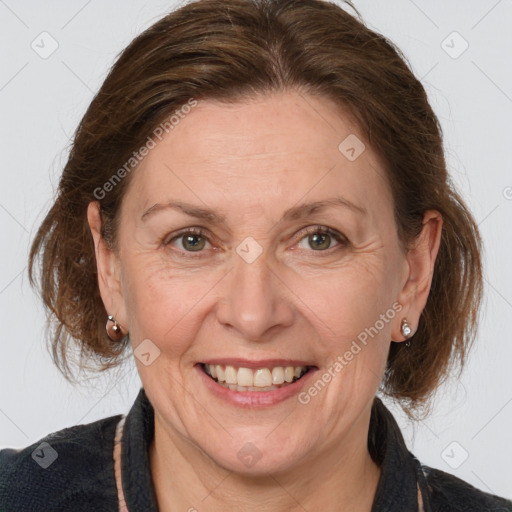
[322, 230]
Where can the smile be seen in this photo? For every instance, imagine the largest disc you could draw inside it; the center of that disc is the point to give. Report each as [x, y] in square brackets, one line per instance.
[243, 379]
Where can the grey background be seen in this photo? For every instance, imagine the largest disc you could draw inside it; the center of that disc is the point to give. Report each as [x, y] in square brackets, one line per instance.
[42, 100]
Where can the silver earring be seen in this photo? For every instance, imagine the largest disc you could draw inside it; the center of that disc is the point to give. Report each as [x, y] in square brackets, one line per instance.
[406, 331]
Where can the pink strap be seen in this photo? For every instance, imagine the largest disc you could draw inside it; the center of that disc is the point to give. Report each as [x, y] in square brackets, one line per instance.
[117, 465]
[420, 500]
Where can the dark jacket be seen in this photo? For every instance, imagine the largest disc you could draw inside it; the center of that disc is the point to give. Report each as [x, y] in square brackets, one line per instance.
[81, 477]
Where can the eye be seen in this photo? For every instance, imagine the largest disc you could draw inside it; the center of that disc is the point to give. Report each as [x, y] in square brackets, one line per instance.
[192, 240]
[320, 237]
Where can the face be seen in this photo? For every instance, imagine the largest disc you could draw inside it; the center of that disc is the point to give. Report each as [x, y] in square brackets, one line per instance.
[262, 281]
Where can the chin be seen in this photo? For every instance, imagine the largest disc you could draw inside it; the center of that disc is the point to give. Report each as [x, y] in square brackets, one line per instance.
[256, 458]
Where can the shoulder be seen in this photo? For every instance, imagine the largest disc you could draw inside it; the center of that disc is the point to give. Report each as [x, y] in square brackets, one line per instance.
[71, 469]
[449, 493]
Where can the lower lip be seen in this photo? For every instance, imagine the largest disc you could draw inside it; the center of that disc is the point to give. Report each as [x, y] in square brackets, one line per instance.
[254, 398]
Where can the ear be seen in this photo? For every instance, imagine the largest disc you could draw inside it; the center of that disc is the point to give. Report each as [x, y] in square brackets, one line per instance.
[107, 264]
[420, 259]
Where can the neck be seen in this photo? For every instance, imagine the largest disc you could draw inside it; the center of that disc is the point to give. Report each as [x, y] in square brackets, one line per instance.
[342, 477]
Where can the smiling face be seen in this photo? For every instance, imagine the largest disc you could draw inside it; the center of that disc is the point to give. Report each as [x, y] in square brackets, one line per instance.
[260, 281]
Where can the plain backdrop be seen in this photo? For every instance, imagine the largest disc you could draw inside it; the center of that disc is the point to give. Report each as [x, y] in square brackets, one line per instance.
[461, 50]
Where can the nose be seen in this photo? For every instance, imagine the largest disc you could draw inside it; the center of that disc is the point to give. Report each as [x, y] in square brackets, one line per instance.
[255, 300]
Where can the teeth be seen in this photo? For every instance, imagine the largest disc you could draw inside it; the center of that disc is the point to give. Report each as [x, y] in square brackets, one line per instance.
[244, 377]
[261, 379]
[278, 375]
[231, 377]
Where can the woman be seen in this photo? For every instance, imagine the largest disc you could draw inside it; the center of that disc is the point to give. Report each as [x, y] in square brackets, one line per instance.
[256, 202]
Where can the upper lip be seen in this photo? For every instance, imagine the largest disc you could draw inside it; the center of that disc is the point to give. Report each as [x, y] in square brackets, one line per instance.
[251, 363]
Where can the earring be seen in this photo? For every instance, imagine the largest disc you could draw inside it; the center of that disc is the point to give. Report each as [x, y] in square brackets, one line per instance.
[114, 332]
[406, 331]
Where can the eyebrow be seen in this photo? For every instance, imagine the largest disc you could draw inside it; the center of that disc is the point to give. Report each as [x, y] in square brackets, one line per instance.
[296, 212]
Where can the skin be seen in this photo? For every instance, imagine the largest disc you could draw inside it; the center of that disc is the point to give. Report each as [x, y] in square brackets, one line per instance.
[250, 161]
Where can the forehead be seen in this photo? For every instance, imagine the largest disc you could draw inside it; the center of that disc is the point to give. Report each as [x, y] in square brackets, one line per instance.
[274, 150]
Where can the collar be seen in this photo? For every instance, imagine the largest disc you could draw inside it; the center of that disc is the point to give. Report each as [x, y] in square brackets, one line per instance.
[401, 481]
[138, 432]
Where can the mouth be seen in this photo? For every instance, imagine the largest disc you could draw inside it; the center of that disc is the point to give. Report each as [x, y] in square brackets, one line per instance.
[242, 379]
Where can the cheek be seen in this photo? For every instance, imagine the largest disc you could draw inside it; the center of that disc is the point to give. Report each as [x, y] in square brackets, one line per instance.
[160, 303]
[349, 302]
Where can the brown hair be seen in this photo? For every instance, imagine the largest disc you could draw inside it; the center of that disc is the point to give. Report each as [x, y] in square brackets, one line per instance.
[229, 50]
